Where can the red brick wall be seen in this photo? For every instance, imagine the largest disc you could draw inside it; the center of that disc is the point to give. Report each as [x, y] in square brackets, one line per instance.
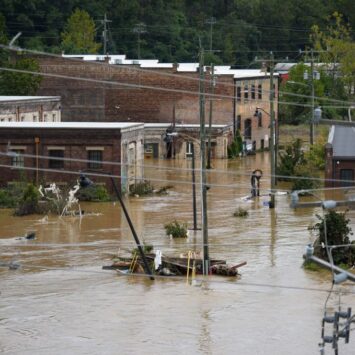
[91, 101]
[74, 142]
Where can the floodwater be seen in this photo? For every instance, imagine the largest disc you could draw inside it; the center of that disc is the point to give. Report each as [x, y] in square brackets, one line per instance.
[60, 301]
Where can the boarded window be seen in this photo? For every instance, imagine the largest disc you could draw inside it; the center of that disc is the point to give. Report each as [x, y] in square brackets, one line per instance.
[55, 161]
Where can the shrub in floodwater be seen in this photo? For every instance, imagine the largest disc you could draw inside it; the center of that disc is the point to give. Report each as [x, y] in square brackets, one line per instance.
[93, 193]
[6, 199]
[147, 248]
[338, 231]
[176, 229]
[141, 188]
[29, 201]
[241, 212]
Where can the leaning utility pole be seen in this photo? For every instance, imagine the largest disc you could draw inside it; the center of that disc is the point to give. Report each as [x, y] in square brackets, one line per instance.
[272, 133]
[203, 162]
[104, 33]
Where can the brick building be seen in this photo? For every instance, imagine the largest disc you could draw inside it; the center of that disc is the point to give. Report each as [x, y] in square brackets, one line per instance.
[152, 92]
[45, 146]
[340, 156]
[30, 109]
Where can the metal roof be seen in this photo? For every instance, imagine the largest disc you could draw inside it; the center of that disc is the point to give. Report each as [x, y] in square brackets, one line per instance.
[72, 125]
[343, 141]
[4, 99]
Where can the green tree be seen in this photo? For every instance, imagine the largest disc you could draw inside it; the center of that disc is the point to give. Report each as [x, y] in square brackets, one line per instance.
[79, 34]
[337, 49]
[337, 232]
[22, 84]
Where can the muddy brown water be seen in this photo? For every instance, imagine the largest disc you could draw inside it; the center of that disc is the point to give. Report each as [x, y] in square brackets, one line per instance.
[61, 302]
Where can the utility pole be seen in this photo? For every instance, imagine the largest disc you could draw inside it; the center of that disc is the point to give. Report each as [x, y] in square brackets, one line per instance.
[139, 29]
[311, 131]
[272, 132]
[211, 21]
[203, 162]
[105, 21]
[213, 83]
[193, 186]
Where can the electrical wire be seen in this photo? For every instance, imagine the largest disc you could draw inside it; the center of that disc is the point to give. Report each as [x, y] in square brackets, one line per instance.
[183, 278]
[176, 76]
[178, 169]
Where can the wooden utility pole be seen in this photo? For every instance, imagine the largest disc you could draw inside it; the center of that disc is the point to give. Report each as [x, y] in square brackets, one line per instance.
[105, 21]
[272, 133]
[203, 163]
[210, 117]
[311, 128]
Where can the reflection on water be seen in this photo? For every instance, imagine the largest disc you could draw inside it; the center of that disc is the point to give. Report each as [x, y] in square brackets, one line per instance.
[61, 302]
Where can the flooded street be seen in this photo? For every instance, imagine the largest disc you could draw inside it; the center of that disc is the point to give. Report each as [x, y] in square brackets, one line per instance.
[61, 302]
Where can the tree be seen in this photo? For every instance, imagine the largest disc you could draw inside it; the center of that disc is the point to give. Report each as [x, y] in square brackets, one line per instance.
[21, 84]
[79, 34]
[337, 232]
[337, 49]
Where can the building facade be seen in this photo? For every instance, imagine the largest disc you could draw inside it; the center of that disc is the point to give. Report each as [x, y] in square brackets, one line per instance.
[46, 152]
[166, 141]
[340, 157]
[30, 109]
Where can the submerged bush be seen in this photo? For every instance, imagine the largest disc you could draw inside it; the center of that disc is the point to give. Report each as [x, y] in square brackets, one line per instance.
[337, 232]
[29, 202]
[176, 229]
[141, 188]
[241, 212]
[94, 193]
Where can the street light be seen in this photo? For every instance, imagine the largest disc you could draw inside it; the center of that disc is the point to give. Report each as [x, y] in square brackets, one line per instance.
[272, 148]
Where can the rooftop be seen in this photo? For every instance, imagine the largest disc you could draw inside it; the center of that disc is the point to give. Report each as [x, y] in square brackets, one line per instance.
[72, 125]
[342, 139]
[120, 59]
[27, 98]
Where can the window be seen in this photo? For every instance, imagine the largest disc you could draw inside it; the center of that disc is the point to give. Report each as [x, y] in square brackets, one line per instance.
[253, 92]
[246, 92]
[95, 157]
[274, 90]
[17, 158]
[189, 149]
[247, 129]
[347, 175]
[260, 119]
[34, 118]
[54, 163]
[239, 122]
[45, 116]
[260, 91]
[239, 93]
[54, 117]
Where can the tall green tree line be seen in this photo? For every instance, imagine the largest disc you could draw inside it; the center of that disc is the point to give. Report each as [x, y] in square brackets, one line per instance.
[243, 28]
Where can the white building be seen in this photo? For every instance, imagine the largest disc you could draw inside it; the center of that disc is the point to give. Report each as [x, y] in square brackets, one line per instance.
[30, 109]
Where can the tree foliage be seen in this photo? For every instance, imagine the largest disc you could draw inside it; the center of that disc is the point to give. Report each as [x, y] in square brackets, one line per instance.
[21, 84]
[333, 229]
[79, 34]
[243, 29]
